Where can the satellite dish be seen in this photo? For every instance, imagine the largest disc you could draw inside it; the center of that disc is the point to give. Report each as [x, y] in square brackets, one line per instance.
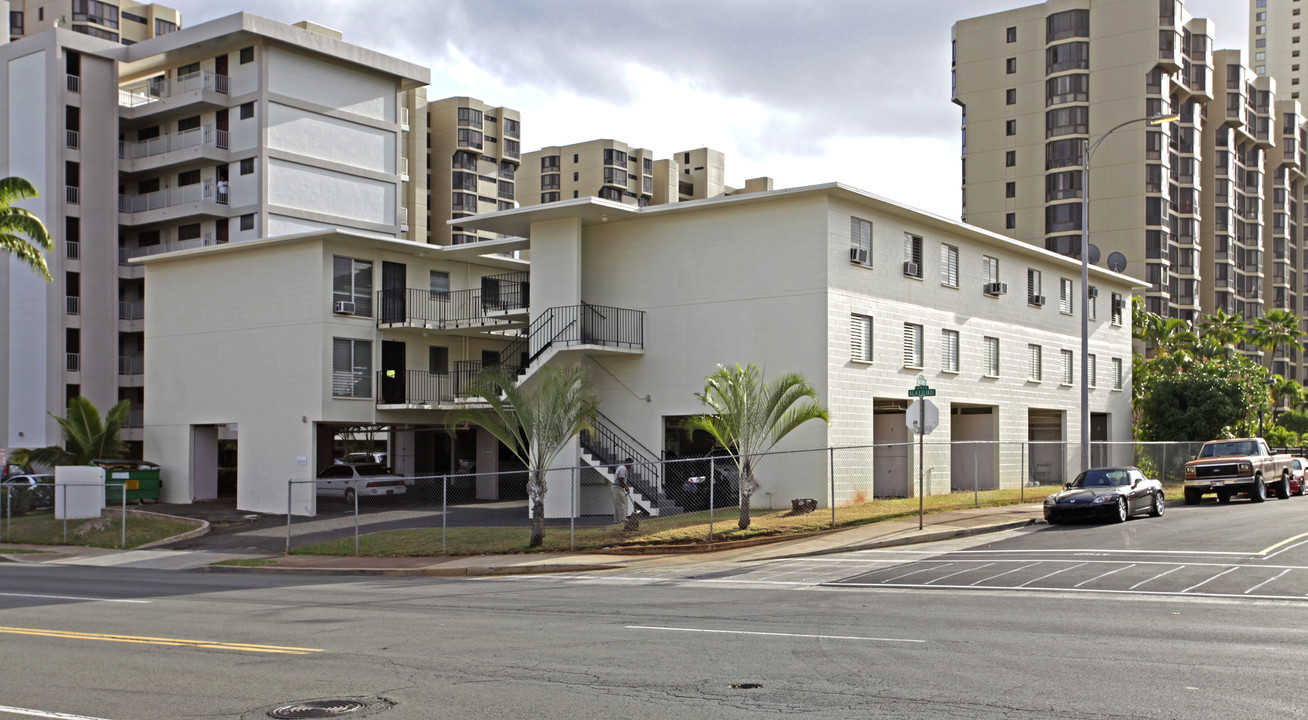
[1116, 262]
[1094, 254]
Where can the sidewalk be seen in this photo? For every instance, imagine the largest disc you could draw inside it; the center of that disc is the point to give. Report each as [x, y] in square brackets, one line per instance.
[890, 533]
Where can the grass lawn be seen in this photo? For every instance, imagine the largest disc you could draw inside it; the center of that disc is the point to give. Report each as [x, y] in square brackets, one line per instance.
[41, 528]
[689, 528]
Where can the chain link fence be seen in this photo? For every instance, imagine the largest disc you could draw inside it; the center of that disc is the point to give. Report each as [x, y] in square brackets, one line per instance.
[489, 512]
[40, 511]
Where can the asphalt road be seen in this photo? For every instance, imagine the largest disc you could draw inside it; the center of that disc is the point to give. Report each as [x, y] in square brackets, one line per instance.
[821, 637]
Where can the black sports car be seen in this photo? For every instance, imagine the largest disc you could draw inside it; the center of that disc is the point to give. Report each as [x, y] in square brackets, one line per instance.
[1113, 493]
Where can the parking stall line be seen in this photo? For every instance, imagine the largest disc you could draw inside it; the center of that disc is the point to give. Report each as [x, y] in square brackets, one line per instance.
[992, 577]
[915, 572]
[1255, 587]
[1042, 577]
[1211, 579]
[32, 712]
[1169, 572]
[960, 572]
[1284, 545]
[1110, 572]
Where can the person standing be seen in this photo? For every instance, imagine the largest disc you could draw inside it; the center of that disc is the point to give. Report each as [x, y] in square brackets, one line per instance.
[621, 491]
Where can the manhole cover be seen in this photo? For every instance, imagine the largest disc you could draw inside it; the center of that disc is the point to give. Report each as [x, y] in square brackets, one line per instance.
[318, 709]
[744, 686]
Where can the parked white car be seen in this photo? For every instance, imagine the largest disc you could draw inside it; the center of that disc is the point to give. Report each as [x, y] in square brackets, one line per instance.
[357, 481]
[363, 458]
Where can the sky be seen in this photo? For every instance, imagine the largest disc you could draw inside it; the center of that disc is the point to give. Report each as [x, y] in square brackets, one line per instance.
[802, 91]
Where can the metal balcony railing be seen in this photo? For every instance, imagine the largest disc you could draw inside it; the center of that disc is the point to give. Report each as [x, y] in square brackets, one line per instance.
[404, 167]
[72, 249]
[133, 310]
[165, 198]
[72, 305]
[404, 116]
[612, 445]
[74, 84]
[72, 195]
[206, 135]
[460, 308]
[155, 89]
[573, 325]
[420, 387]
[72, 139]
[125, 254]
[131, 365]
[404, 217]
[73, 362]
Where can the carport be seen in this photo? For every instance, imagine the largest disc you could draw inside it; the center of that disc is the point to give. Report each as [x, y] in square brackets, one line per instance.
[973, 432]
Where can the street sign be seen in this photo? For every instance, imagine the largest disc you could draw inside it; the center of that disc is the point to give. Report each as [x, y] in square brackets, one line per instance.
[921, 391]
[922, 416]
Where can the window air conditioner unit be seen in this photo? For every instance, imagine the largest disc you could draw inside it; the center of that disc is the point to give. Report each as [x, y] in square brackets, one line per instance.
[858, 255]
[1036, 300]
[996, 288]
[1119, 304]
[911, 268]
[1094, 292]
[343, 307]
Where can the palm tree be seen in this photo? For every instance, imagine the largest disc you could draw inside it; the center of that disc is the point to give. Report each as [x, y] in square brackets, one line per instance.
[1274, 329]
[1224, 328]
[750, 418]
[21, 233]
[86, 438]
[1164, 336]
[1285, 392]
[534, 421]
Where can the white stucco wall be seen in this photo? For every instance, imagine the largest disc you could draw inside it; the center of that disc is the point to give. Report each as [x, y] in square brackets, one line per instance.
[318, 190]
[336, 85]
[327, 138]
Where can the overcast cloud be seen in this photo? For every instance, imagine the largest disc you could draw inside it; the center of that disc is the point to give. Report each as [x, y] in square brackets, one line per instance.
[786, 88]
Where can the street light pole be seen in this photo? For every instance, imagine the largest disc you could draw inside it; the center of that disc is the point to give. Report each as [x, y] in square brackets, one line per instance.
[1087, 148]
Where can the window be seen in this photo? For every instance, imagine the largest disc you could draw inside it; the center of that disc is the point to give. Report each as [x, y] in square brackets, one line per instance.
[1062, 153]
[438, 360]
[1062, 218]
[1010, 220]
[860, 241]
[1067, 24]
[1068, 56]
[1067, 184]
[1070, 120]
[440, 285]
[912, 255]
[1033, 287]
[247, 110]
[1065, 296]
[1010, 65]
[351, 368]
[1090, 372]
[1010, 127]
[949, 350]
[990, 269]
[1010, 96]
[1117, 309]
[467, 137]
[1065, 366]
[511, 128]
[247, 222]
[549, 197]
[188, 123]
[163, 27]
[247, 166]
[1010, 158]
[352, 282]
[1010, 35]
[948, 265]
[15, 22]
[991, 356]
[1067, 88]
[470, 117]
[1010, 189]
[1034, 363]
[188, 232]
[912, 345]
[247, 55]
[549, 182]
[1117, 373]
[190, 177]
[860, 338]
[1093, 308]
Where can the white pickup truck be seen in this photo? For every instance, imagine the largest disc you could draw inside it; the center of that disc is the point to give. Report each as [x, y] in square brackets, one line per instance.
[1241, 466]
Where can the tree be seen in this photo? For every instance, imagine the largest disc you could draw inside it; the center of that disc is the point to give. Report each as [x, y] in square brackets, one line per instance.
[534, 421]
[1274, 329]
[749, 418]
[1224, 328]
[21, 233]
[1165, 336]
[1285, 392]
[1198, 405]
[86, 438]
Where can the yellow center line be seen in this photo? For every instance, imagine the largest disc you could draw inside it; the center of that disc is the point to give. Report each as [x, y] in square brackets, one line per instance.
[174, 642]
[1286, 541]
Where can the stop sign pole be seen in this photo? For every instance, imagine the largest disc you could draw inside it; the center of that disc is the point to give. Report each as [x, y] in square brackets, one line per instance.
[922, 417]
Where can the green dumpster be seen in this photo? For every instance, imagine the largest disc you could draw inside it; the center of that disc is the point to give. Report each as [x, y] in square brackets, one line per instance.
[140, 477]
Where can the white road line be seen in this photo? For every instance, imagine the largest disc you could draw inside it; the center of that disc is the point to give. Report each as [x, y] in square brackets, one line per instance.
[1211, 579]
[960, 572]
[1169, 572]
[1255, 587]
[772, 634]
[43, 714]
[1096, 591]
[992, 577]
[1042, 577]
[1096, 552]
[1284, 549]
[1110, 572]
[938, 567]
[71, 597]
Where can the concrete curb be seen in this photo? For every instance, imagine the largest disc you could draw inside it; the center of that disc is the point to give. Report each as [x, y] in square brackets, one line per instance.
[201, 529]
[470, 571]
[704, 547]
[926, 537]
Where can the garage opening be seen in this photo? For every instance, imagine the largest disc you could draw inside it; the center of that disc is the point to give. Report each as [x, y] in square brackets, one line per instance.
[973, 431]
[1046, 448]
[892, 459]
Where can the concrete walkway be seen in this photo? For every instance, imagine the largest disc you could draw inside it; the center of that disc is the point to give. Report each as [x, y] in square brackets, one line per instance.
[903, 531]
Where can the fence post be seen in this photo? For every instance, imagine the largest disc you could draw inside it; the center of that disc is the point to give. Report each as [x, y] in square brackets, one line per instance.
[123, 489]
[66, 513]
[833, 488]
[976, 476]
[572, 516]
[1162, 470]
[356, 524]
[445, 484]
[1021, 470]
[289, 485]
[712, 496]
[9, 492]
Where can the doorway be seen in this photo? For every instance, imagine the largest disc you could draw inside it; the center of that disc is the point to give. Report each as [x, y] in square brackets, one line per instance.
[392, 309]
[393, 371]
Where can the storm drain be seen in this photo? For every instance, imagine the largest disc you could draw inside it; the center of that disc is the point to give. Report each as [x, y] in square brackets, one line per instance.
[318, 709]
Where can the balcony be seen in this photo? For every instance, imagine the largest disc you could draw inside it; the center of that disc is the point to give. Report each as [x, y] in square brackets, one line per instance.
[196, 137]
[423, 390]
[73, 362]
[72, 195]
[131, 365]
[125, 254]
[404, 217]
[404, 118]
[404, 169]
[74, 84]
[500, 302]
[171, 197]
[154, 90]
[72, 305]
[72, 250]
[72, 139]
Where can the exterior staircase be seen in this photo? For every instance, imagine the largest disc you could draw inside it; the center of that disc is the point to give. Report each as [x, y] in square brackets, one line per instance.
[605, 447]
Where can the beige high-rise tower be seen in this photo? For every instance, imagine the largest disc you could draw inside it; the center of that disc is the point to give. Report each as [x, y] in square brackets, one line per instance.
[474, 150]
[1276, 42]
[121, 22]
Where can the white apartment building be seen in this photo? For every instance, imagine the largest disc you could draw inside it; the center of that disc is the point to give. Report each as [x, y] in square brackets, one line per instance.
[226, 132]
[858, 293]
[1276, 43]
